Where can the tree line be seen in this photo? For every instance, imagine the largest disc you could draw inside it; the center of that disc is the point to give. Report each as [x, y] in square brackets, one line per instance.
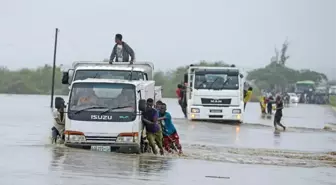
[30, 81]
[38, 81]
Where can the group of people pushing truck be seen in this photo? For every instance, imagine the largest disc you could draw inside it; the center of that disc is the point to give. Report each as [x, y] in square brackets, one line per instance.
[160, 130]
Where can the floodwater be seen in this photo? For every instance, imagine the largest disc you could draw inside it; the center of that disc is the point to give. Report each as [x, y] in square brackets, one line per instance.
[251, 153]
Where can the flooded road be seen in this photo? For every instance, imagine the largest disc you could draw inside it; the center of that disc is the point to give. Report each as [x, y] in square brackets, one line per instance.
[251, 153]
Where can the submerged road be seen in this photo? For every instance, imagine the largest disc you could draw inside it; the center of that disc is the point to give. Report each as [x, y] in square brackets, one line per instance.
[251, 153]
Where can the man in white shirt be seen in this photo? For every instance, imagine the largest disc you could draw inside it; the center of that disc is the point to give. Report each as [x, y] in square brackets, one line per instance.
[59, 123]
[121, 51]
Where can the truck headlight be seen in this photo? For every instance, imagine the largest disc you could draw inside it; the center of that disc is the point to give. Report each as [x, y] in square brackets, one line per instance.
[75, 138]
[127, 139]
[236, 111]
[195, 110]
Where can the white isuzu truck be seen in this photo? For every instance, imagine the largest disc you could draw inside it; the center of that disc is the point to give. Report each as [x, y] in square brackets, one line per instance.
[104, 114]
[119, 70]
[215, 93]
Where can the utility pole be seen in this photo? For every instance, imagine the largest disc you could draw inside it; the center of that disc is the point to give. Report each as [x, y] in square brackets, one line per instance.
[53, 72]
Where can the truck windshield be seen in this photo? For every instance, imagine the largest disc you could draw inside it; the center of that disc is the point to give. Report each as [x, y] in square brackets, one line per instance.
[216, 80]
[108, 74]
[300, 88]
[102, 96]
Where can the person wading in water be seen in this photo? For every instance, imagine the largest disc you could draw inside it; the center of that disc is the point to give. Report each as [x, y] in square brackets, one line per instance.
[184, 100]
[153, 129]
[278, 113]
[169, 131]
[59, 122]
[247, 96]
[270, 102]
[180, 92]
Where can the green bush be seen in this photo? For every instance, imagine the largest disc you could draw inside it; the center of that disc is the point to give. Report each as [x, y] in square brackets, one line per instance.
[332, 100]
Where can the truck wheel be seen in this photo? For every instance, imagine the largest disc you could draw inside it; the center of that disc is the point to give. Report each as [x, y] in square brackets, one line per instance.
[137, 151]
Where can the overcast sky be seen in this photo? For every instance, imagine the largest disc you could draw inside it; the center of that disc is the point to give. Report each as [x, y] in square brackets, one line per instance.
[170, 33]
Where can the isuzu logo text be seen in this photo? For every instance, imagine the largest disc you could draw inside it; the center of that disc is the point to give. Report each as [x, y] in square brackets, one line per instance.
[101, 117]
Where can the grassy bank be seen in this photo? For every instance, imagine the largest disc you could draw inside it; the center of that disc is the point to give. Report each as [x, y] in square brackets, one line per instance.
[332, 100]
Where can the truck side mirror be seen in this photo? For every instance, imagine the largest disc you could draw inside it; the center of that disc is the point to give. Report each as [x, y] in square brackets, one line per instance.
[59, 103]
[70, 75]
[241, 76]
[65, 77]
[142, 105]
[185, 78]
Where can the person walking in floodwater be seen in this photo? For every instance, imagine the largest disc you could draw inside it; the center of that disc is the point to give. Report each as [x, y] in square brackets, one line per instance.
[180, 92]
[270, 102]
[184, 100]
[278, 113]
[59, 122]
[247, 96]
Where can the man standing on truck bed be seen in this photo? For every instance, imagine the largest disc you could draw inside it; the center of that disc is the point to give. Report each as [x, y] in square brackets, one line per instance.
[121, 51]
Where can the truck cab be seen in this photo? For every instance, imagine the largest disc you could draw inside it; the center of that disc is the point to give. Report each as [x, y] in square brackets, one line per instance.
[215, 93]
[142, 71]
[104, 114]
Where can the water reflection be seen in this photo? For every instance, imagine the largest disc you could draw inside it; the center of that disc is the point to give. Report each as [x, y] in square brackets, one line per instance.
[277, 137]
[57, 155]
[153, 164]
[90, 163]
[237, 134]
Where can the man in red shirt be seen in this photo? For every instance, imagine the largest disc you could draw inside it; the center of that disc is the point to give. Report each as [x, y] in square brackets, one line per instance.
[180, 95]
[178, 92]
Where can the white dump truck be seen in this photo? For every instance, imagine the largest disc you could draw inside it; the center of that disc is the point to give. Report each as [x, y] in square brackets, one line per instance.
[142, 71]
[215, 93]
[104, 114]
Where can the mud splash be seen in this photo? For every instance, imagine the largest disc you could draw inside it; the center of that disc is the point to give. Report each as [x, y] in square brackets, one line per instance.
[220, 153]
[260, 156]
[239, 156]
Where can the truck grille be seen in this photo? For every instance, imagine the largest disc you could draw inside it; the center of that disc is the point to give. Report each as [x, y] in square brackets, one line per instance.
[212, 101]
[100, 139]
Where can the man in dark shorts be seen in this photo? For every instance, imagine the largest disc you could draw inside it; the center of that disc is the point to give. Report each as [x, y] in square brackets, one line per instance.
[278, 113]
[153, 129]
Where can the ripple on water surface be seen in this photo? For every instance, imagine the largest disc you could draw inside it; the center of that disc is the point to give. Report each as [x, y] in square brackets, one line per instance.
[275, 157]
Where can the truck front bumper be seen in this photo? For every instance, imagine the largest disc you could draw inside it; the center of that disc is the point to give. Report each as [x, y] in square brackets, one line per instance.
[216, 113]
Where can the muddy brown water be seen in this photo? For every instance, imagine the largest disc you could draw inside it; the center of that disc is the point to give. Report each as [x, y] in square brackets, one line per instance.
[251, 153]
